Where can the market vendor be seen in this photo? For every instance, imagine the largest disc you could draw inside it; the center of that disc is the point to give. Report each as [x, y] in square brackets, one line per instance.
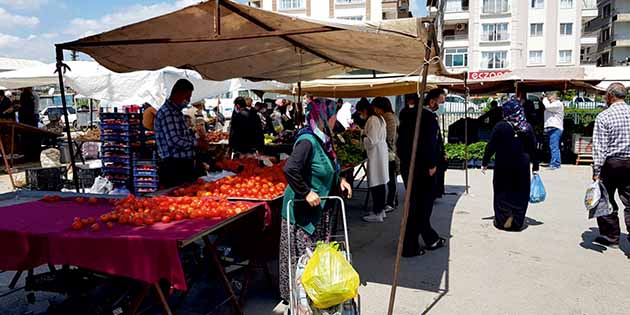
[175, 141]
[312, 172]
[148, 116]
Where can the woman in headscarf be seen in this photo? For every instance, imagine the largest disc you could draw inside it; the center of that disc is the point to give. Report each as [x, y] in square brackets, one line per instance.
[514, 144]
[312, 172]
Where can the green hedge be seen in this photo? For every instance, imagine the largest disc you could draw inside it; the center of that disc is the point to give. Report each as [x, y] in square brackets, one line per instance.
[457, 151]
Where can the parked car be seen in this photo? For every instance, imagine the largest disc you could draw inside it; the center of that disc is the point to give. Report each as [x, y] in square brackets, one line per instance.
[72, 115]
[456, 104]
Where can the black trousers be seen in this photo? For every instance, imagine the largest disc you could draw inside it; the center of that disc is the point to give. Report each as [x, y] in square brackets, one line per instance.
[174, 172]
[392, 195]
[615, 176]
[378, 198]
[420, 210]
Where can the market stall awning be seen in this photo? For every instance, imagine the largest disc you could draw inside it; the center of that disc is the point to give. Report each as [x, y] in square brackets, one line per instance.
[9, 64]
[535, 79]
[153, 87]
[356, 88]
[44, 74]
[259, 45]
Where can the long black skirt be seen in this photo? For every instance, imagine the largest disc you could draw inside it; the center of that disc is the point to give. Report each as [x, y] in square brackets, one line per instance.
[511, 196]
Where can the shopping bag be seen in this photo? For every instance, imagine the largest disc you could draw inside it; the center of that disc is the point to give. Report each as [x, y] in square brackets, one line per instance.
[300, 301]
[537, 191]
[597, 201]
[328, 278]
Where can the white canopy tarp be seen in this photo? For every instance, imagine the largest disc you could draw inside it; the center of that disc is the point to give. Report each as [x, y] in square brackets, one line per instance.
[260, 45]
[154, 87]
[44, 74]
[9, 64]
[92, 80]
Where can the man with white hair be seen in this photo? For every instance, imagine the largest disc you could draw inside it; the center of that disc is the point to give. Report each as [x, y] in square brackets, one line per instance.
[611, 155]
[554, 126]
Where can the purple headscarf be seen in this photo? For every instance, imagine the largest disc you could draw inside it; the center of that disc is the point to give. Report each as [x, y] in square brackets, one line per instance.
[320, 111]
[514, 114]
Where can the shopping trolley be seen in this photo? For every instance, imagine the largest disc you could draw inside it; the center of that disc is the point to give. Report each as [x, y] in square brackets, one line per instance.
[351, 307]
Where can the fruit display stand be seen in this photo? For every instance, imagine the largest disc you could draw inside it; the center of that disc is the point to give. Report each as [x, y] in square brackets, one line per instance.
[39, 232]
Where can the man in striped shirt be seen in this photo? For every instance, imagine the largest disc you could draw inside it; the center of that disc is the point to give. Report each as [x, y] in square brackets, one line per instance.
[611, 155]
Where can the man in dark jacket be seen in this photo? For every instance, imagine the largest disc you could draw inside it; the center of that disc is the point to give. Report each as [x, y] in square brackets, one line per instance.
[246, 135]
[423, 186]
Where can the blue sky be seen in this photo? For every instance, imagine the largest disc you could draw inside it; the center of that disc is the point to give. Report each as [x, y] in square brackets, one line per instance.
[30, 28]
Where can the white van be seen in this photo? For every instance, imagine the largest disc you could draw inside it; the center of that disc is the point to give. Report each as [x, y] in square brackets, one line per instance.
[226, 101]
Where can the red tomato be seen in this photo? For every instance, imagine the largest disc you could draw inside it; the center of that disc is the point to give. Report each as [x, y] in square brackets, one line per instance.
[138, 221]
[95, 227]
[79, 200]
[110, 225]
[77, 225]
[149, 221]
[104, 218]
[92, 201]
[166, 219]
[90, 220]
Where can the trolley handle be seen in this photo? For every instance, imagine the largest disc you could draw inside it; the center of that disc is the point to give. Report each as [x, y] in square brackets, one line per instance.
[345, 233]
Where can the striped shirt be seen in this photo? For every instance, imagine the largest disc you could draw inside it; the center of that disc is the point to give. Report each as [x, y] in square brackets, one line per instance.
[611, 136]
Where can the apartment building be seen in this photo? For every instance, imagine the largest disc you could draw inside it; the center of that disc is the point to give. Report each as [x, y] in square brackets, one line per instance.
[488, 35]
[612, 30]
[357, 10]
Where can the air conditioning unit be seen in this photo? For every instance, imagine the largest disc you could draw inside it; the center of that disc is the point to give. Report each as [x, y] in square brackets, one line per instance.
[460, 27]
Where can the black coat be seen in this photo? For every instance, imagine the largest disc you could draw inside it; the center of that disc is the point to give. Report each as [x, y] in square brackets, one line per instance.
[428, 155]
[246, 135]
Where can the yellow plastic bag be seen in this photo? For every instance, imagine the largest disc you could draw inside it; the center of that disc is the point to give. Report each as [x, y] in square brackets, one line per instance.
[328, 278]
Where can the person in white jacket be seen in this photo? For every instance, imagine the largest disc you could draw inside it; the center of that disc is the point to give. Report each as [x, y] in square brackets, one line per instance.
[375, 143]
[554, 126]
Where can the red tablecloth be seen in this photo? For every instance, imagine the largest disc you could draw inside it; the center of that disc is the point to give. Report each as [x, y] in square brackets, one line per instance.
[35, 233]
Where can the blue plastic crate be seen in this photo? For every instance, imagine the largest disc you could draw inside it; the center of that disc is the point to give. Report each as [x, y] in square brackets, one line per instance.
[147, 173]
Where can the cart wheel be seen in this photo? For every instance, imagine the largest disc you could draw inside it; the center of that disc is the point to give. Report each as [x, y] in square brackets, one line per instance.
[30, 298]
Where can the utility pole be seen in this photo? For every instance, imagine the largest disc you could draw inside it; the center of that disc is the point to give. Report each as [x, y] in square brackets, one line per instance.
[74, 55]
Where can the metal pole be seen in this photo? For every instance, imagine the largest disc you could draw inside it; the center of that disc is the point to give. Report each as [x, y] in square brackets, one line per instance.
[467, 89]
[91, 114]
[300, 106]
[412, 167]
[217, 18]
[60, 69]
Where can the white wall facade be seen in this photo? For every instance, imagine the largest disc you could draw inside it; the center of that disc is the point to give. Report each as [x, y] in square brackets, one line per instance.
[519, 16]
[321, 9]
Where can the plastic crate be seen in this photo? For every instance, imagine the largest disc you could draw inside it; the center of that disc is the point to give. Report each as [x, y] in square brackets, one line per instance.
[147, 173]
[46, 179]
[139, 184]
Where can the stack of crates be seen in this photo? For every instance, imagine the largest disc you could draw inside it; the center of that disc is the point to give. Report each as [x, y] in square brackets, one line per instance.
[120, 136]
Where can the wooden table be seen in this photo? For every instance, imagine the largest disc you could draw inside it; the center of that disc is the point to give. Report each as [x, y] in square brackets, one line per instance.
[9, 127]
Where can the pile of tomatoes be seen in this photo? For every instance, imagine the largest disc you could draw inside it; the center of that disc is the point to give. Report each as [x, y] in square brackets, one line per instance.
[254, 187]
[148, 211]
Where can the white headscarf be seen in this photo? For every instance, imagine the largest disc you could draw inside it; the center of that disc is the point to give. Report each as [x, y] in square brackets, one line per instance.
[344, 115]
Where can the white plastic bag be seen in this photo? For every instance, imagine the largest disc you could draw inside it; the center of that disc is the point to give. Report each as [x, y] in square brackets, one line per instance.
[101, 186]
[597, 201]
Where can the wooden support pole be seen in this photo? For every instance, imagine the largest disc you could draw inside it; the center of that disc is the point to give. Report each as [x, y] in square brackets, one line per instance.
[6, 163]
[412, 167]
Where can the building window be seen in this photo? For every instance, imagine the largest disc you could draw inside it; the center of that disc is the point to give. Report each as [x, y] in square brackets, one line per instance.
[291, 4]
[495, 6]
[538, 4]
[494, 32]
[456, 5]
[456, 57]
[566, 4]
[535, 57]
[351, 18]
[606, 11]
[566, 56]
[605, 34]
[536, 30]
[566, 29]
[494, 60]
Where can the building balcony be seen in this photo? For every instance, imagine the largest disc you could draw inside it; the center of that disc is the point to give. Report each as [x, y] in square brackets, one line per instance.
[452, 41]
[588, 40]
[621, 17]
[456, 17]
